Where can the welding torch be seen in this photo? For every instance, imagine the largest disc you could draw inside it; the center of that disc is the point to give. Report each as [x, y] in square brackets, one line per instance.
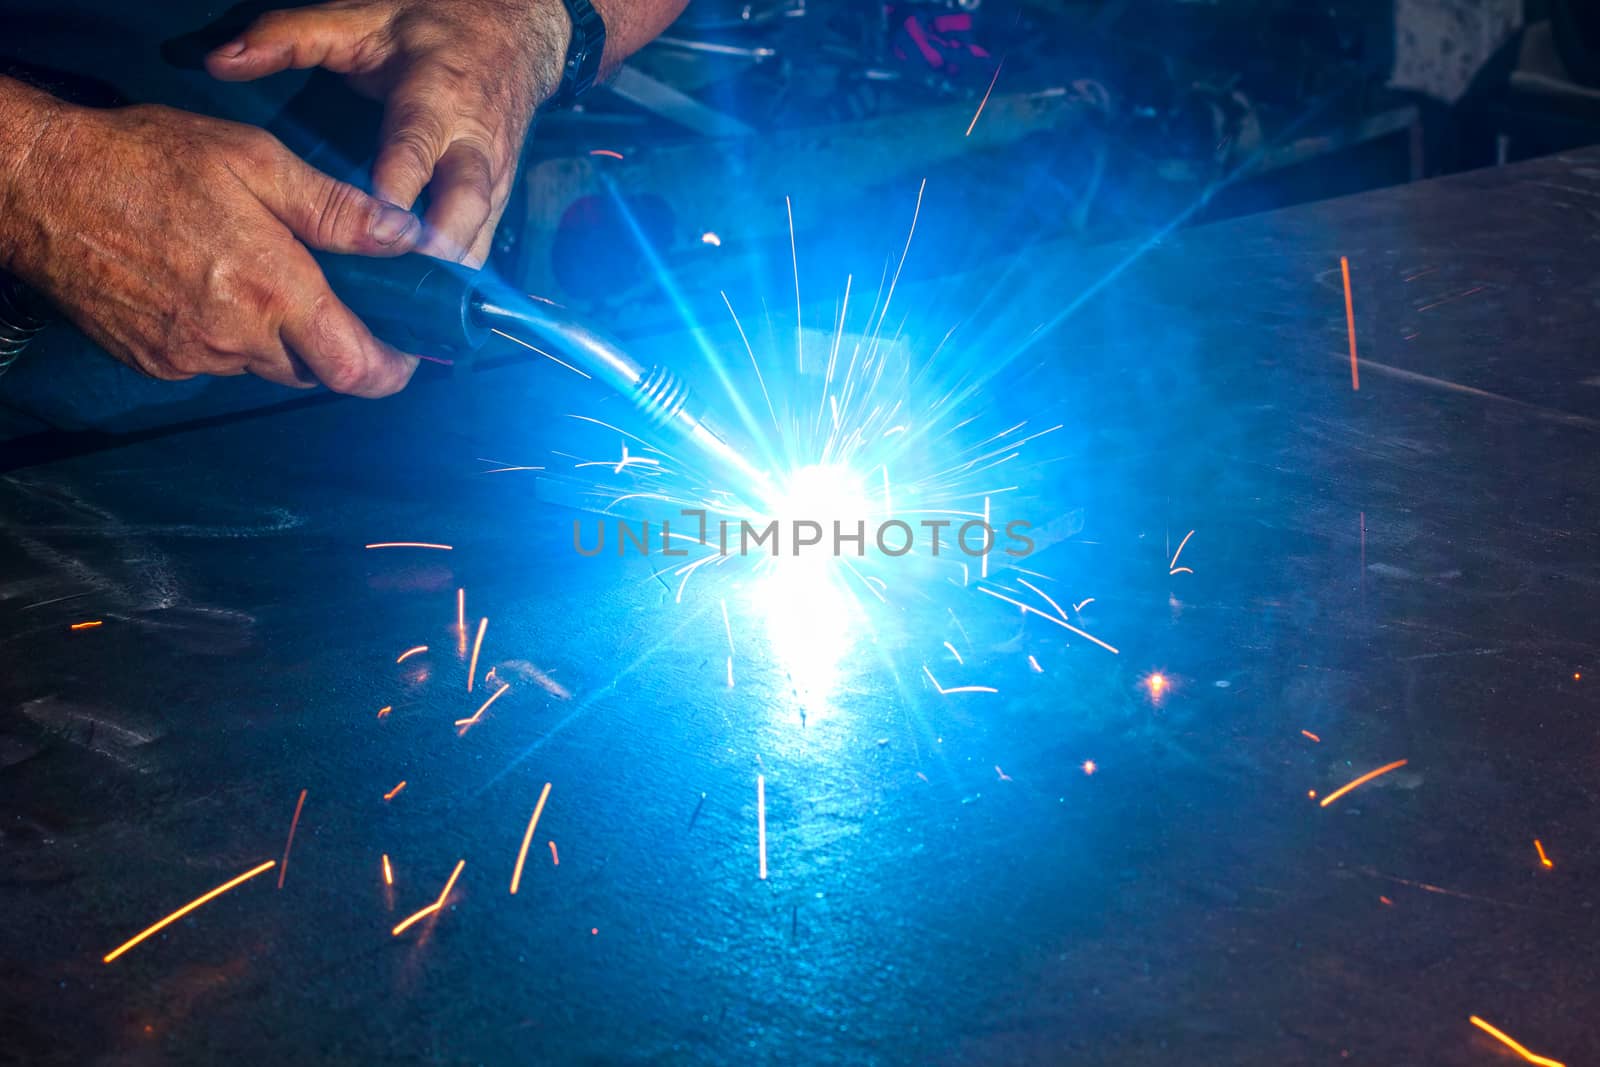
[425, 305]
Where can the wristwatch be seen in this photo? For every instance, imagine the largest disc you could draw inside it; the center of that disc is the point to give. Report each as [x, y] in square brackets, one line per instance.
[584, 52]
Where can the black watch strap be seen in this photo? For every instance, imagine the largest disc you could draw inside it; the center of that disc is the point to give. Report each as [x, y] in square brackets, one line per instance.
[584, 52]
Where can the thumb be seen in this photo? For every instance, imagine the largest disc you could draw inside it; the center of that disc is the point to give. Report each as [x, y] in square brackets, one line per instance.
[335, 217]
[342, 40]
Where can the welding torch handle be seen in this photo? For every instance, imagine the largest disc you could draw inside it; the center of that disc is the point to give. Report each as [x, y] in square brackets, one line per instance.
[416, 303]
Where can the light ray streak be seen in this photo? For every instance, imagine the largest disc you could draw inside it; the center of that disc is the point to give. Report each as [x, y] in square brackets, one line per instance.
[186, 909]
[1363, 780]
[540, 351]
[1064, 624]
[288, 844]
[527, 838]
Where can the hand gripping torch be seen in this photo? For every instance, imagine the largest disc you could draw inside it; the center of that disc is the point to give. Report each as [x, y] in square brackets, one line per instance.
[426, 305]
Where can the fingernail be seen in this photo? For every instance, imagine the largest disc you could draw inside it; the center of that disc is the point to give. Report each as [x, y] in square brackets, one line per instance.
[230, 50]
[391, 225]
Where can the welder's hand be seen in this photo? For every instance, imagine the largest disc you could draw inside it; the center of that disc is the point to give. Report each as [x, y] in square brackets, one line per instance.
[178, 243]
[460, 80]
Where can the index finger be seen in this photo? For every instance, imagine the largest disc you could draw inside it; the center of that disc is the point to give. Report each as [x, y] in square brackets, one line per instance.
[337, 346]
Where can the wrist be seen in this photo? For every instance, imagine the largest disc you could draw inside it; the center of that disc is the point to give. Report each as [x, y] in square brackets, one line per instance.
[552, 33]
[31, 122]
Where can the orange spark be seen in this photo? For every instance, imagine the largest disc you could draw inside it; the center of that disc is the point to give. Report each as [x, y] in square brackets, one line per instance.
[761, 822]
[1311, 735]
[391, 794]
[607, 152]
[87, 625]
[1089, 766]
[974, 123]
[522, 854]
[1350, 324]
[287, 845]
[408, 653]
[1543, 859]
[1509, 1042]
[386, 709]
[435, 906]
[555, 857]
[461, 612]
[388, 872]
[411, 544]
[1386, 901]
[472, 668]
[186, 909]
[468, 723]
[1576, 676]
[1363, 780]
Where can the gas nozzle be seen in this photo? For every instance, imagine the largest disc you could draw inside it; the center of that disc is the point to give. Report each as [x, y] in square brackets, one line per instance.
[421, 304]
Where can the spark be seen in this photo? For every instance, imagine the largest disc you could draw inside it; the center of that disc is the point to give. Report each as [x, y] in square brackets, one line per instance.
[1385, 900]
[1173, 566]
[408, 653]
[709, 238]
[435, 906]
[412, 544]
[1543, 859]
[1004, 777]
[730, 672]
[391, 794]
[388, 872]
[1059, 622]
[186, 909]
[287, 845]
[527, 838]
[1089, 766]
[472, 720]
[799, 316]
[461, 613]
[954, 653]
[555, 857]
[1042, 593]
[87, 625]
[540, 351]
[1350, 323]
[984, 571]
[1363, 780]
[973, 124]
[1035, 665]
[761, 822]
[1311, 735]
[1508, 1041]
[1077, 609]
[472, 668]
[385, 710]
[956, 689]
[1156, 684]
[607, 152]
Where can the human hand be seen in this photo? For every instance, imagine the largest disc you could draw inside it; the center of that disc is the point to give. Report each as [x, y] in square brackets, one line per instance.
[178, 243]
[460, 80]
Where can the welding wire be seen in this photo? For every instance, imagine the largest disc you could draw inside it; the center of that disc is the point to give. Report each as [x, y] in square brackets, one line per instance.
[186, 909]
[287, 845]
[527, 838]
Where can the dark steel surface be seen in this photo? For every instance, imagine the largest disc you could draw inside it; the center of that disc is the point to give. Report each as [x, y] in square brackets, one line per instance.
[1408, 571]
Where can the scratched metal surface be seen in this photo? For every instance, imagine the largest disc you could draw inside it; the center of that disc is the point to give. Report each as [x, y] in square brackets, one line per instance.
[1408, 571]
